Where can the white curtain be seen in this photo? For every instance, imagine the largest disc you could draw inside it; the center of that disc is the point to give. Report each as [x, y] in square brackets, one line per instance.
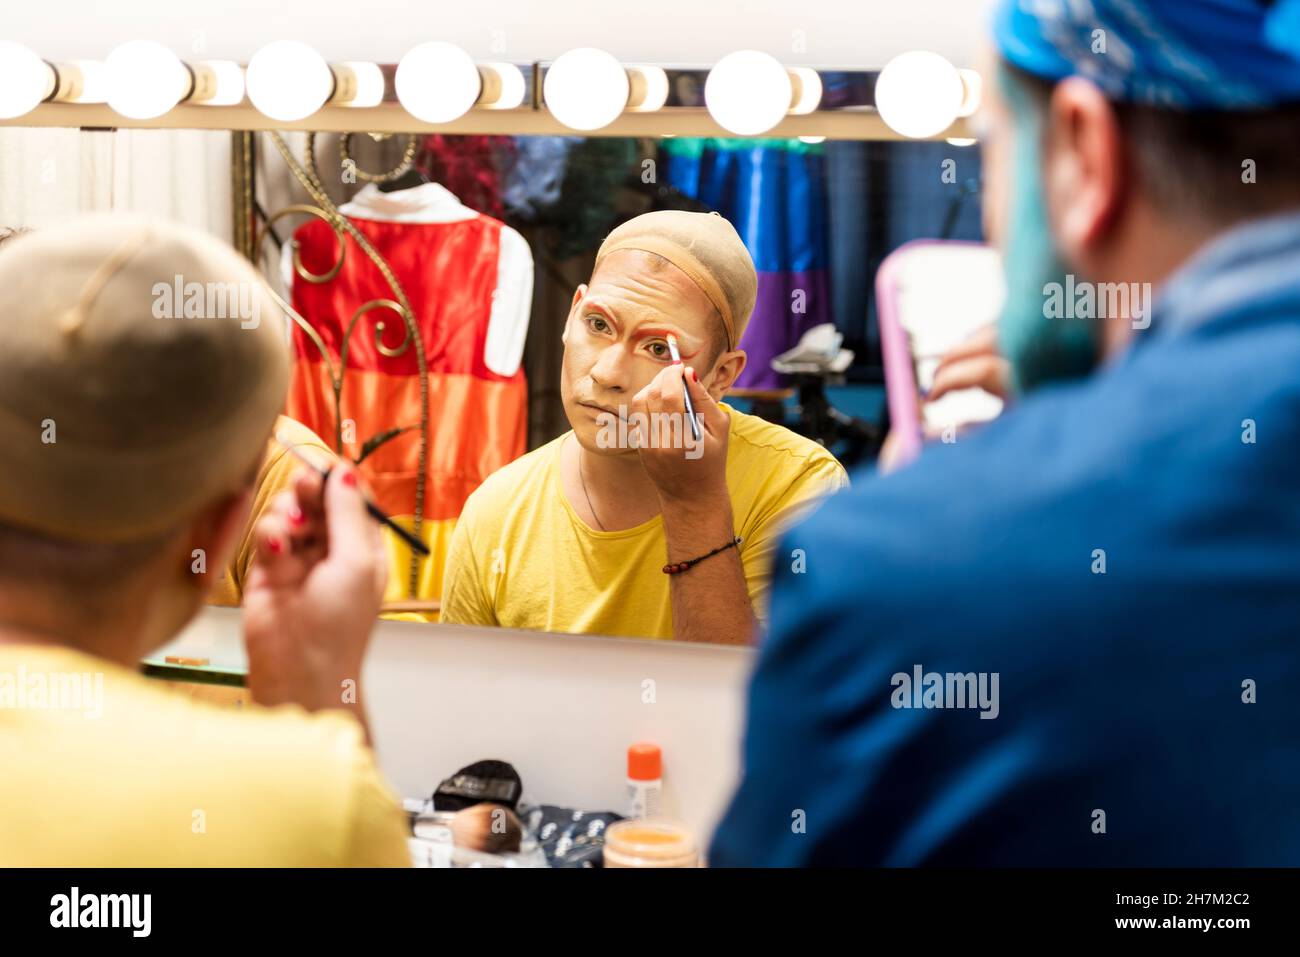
[51, 175]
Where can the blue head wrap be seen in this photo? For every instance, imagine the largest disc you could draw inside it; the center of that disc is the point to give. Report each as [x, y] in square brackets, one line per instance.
[1182, 54]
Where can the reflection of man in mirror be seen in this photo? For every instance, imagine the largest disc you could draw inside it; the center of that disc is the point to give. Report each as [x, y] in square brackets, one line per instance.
[629, 525]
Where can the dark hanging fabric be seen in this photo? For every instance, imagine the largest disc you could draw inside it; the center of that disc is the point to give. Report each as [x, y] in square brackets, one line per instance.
[847, 175]
[588, 207]
[911, 192]
[534, 178]
[469, 166]
[928, 198]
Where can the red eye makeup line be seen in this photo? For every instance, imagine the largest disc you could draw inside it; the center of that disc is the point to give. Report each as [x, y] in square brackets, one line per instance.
[667, 334]
[643, 333]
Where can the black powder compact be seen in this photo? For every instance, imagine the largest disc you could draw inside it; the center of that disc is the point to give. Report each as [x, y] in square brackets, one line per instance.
[494, 781]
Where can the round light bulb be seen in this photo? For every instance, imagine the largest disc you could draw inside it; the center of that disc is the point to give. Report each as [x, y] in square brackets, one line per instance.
[365, 86]
[809, 90]
[25, 80]
[224, 83]
[748, 92]
[972, 87]
[919, 94]
[144, 79]
[437, 82]
[586, 89]
[508, 81]
[649, 88]
[288, 80]
[82, 81]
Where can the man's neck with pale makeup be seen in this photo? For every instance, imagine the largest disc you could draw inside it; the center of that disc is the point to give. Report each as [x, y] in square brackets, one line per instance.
[619, 487]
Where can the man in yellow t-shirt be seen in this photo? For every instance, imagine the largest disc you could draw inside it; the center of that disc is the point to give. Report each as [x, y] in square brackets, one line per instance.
[628, 524]
[132, 432]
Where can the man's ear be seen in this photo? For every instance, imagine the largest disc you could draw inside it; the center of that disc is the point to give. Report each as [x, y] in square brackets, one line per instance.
[214, 535]
[578, 295]
[726, 370]
[1086, 174]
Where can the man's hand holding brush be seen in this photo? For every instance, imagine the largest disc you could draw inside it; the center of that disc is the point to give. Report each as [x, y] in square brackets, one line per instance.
[314, 593]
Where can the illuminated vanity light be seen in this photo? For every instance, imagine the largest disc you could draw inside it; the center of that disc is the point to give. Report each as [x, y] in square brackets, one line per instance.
[748, 92]
[357, 84]
[437, 82]
[217, 83]
[288, 80]
[586, 89]
[144, 79]
[80, 81]
[807, 90]
[972, 85]
[919, 94]
[504, 86]
[961, 141]
[25, 80]
[649, 88]
[812, 139]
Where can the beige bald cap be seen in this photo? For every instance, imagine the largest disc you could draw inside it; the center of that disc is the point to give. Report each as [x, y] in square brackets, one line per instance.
[704, 246]
[152, 415]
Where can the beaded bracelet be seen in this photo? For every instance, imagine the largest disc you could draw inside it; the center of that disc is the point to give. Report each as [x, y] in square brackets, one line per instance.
[676, 568]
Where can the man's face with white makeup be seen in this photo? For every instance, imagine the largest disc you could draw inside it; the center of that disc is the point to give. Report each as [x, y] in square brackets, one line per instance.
[616, 338]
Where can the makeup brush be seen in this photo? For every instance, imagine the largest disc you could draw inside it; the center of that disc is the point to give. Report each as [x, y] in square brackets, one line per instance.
[490, 828]
[375, 511]
[686, 392]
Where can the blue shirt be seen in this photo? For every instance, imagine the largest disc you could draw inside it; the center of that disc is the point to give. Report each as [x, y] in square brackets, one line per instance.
[1123, 553]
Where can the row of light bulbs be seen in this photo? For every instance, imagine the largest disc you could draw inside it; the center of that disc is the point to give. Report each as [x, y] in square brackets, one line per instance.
[918, 94]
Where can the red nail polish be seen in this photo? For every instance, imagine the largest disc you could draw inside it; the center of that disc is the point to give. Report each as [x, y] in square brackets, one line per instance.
[350, 479]
[695, 376]
[295, 516]
[276, 546]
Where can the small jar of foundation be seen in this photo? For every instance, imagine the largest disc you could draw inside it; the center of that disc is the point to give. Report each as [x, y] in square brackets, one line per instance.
[650, 844]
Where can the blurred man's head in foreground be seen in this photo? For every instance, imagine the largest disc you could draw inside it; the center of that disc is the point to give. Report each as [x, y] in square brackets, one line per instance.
[1119, 137]
[142, 373]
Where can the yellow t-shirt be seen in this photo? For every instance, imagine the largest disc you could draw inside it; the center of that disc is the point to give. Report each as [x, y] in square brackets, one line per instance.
[127, 773]
[521, 557]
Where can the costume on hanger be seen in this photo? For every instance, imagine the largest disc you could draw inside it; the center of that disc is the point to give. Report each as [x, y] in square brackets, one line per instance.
[774, 192]
[469, 279]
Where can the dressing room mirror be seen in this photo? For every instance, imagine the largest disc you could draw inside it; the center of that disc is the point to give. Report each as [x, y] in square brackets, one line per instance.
[451, 289]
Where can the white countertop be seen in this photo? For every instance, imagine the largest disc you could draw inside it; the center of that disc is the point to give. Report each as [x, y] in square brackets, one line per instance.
[561, 708]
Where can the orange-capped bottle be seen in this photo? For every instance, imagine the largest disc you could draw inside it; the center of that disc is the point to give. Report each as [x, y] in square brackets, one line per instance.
[644, 780]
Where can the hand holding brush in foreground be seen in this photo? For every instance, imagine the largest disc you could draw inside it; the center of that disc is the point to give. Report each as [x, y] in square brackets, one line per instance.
[313, 595]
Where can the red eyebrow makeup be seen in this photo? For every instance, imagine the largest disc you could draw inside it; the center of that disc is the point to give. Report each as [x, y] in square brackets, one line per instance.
[657, 333]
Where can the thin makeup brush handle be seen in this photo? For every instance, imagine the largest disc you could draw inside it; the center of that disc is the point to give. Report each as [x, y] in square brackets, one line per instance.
[375, 511]
[686, 390]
